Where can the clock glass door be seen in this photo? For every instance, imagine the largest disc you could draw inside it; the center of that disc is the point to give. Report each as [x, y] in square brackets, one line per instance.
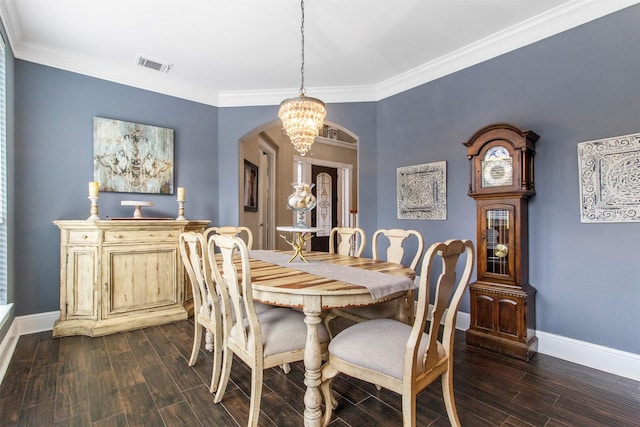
[498, 245]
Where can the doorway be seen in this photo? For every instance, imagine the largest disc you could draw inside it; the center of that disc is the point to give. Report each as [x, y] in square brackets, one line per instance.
[325, 215]
[266, 192]
[270, 150]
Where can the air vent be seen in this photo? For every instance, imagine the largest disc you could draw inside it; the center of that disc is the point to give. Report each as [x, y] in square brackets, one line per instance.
[154, 65]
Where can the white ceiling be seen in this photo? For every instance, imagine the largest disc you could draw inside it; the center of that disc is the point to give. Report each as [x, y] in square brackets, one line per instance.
[248, 52]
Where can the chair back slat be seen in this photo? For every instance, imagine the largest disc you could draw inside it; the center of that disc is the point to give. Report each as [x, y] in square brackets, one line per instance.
[350, 240]
[396, 240]
[448, 294]
[240, 318]
[233, 231]
[195, 260]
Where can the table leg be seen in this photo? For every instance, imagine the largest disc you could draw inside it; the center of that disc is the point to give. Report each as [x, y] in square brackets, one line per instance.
[297, 243]
[312, 363]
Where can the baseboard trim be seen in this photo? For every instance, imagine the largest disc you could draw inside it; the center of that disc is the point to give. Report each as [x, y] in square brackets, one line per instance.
[594, 356]
[583, 353]
[36, 322]
[8, 344]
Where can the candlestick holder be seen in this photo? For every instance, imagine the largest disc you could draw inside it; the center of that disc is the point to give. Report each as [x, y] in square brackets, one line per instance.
[94, 209]
[181, 210]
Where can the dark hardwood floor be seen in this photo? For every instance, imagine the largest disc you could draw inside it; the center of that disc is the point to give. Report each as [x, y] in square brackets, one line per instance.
[141, 378]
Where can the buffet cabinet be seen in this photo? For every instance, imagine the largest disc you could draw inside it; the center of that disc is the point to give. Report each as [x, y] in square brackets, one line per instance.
[118, 275]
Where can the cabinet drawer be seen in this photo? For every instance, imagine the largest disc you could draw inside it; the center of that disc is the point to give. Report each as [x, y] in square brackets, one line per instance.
[115, 236]
[83, 236]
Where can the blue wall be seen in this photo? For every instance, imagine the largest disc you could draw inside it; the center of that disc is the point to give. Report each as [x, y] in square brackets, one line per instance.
[54, 163]
[577, 86]
[581, 85]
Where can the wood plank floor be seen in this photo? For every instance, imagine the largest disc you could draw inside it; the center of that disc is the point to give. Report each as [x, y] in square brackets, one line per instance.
[141, 378]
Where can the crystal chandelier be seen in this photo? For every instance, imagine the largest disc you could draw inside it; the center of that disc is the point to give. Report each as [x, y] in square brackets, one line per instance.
[302, 117]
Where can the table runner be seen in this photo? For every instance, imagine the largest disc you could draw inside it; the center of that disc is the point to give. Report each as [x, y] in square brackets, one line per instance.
[379, 284]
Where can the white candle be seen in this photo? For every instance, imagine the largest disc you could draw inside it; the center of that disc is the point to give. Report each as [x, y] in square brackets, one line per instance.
[181, 194]
[93, 189]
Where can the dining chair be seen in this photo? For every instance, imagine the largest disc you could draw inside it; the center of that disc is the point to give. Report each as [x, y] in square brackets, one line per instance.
[350, 240]
[261, 340]
[403, 358]
[395, 241]
[206, 305]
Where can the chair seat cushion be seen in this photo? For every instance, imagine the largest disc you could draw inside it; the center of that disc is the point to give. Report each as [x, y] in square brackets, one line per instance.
[283, 330]
[260, 307]
[378, 345]
[385, 310]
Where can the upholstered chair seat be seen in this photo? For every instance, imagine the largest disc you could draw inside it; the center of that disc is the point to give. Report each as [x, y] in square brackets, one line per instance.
[277, 323]
[385, 341]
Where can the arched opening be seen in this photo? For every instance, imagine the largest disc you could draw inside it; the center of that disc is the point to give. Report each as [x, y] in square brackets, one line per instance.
[279, 165]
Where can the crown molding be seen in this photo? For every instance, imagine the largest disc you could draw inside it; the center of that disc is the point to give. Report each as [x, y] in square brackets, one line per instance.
[275, 97]
[550, 23]
[554, 21]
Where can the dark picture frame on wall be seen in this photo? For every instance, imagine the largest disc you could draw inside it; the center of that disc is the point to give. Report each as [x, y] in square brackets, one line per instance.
[250, 187]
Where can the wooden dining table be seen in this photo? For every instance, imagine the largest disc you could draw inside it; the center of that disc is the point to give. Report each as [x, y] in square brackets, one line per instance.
[286, 285]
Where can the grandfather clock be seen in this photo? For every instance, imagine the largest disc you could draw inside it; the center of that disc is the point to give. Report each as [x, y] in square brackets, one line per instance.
[501, 181]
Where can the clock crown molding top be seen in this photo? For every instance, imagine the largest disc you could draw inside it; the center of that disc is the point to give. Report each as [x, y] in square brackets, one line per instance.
[501, 161]
[518, 139]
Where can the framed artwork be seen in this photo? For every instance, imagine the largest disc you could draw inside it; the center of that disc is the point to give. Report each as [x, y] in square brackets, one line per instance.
[132, 157]
[609, 172]
[422, 191]
[250, 187]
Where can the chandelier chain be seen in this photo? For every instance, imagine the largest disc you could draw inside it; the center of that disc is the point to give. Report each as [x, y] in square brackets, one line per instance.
[302, 117]
[302, 89]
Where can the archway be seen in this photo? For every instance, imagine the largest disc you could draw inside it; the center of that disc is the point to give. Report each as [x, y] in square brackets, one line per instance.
[268, 147]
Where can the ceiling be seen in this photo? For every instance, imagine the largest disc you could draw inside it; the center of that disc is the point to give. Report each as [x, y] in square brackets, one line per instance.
[248, 52]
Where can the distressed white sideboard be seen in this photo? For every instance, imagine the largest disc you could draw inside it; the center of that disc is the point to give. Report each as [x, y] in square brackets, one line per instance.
[118, 275]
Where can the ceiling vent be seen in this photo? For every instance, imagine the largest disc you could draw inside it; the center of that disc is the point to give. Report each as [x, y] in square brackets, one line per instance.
[154, 65]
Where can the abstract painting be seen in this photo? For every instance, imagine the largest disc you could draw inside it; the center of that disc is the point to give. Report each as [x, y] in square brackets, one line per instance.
[132, 157]
[609, 174]
[422, 191]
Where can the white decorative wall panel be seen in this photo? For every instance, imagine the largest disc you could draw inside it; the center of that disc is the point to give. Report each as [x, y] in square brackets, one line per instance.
[422, 191]
[609, 173]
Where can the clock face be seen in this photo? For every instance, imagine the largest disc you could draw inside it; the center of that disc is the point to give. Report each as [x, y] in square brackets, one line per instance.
[497, 169]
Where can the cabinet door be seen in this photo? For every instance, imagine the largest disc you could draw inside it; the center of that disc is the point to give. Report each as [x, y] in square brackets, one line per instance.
[80, 284]
[140, 278]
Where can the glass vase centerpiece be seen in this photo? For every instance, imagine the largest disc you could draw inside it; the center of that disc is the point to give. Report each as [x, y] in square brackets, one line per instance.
[301, 201]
